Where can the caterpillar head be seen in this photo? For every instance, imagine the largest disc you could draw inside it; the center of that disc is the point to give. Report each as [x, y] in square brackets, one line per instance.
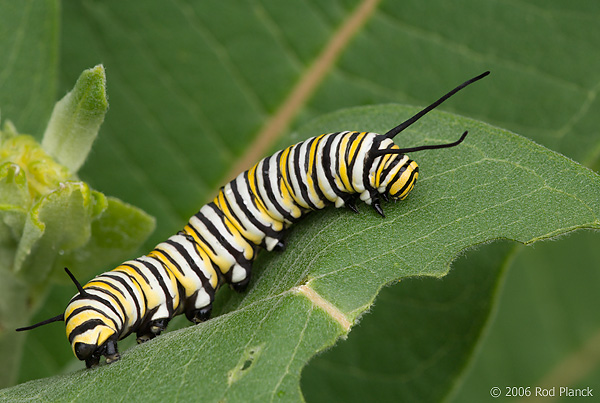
[395, 173]
[392, 173]
[397, 176]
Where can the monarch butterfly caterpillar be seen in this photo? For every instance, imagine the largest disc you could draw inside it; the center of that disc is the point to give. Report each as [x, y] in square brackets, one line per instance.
[219, 243]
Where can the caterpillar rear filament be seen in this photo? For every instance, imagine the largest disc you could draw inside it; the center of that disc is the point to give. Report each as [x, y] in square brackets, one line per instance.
[219, 243]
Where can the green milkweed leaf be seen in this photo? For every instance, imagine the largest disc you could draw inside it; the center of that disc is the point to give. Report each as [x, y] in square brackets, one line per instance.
[307, 298]
[76, 119]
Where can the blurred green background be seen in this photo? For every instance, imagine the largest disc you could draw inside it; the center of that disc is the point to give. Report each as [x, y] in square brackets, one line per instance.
[189, 76]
